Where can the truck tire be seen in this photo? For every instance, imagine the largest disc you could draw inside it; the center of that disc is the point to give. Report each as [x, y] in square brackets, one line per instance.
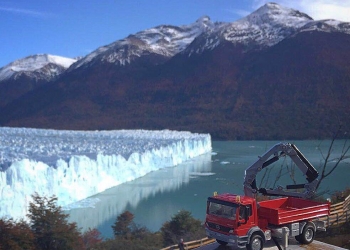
[308, 234]
[222, 243]
[256, 243]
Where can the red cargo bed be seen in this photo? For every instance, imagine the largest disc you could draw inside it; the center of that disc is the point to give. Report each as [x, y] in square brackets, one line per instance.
[289, 210]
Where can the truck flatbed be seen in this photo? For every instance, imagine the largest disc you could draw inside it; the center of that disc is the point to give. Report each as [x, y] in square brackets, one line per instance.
[289, 210]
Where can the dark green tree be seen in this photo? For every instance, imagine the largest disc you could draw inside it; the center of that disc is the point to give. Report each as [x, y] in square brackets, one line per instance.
[182, 225]
[50, 226]
[123, 225]
[130, 236]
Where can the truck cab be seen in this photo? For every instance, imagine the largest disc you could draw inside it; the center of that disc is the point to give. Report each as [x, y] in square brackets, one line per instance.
[233, 219]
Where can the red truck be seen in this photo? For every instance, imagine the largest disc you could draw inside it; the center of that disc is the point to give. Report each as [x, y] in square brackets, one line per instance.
[245, 223]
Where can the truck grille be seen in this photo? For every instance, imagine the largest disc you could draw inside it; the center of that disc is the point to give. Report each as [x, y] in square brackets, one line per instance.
[217, 227]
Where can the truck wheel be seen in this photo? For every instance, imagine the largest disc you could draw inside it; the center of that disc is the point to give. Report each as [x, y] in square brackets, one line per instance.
[308, 234]
[256, 243]
[222, 243]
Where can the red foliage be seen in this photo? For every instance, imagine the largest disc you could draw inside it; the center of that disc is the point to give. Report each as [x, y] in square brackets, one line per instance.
[16, 235]
[91, 238]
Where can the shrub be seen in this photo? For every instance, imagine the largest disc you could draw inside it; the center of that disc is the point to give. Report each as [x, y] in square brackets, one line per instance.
[182, 226]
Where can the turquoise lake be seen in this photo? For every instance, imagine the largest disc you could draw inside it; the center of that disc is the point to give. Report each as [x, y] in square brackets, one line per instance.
[156, 197]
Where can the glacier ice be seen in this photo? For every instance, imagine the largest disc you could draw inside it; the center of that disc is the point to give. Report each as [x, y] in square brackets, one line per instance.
[97, 211]
[74, 165]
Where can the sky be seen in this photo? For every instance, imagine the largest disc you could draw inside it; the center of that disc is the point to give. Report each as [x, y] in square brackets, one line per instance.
[76, 28]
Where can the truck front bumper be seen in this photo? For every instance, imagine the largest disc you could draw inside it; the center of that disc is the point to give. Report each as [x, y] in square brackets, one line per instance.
[234, 240]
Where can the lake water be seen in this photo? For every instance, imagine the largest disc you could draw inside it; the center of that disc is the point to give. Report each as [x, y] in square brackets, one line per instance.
[156, 197]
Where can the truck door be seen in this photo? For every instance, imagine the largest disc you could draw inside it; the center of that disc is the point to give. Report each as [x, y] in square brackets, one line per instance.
[245, 219]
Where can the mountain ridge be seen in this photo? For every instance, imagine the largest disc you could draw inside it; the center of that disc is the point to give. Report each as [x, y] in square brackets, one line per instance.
[256, 78]
[159, 39]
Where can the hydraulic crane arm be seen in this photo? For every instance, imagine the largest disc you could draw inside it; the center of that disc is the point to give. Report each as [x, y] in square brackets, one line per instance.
[277, 151]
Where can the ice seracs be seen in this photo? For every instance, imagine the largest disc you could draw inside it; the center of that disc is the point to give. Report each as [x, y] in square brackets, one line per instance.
[74, 165]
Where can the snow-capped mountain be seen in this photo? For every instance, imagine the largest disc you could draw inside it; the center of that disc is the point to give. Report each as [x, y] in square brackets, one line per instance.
[266, 26]
[165, 41]
[266, 71]
[37, 67]
[263, 28]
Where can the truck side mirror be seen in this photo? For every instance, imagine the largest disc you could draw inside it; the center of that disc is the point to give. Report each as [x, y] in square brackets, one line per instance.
[248, 212]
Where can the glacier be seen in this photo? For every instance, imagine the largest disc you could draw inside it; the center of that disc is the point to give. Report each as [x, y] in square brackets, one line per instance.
[99, 210]
[74, 165]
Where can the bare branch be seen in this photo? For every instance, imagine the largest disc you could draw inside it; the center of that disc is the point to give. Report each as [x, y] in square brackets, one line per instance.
[340, 159]
[327, 160]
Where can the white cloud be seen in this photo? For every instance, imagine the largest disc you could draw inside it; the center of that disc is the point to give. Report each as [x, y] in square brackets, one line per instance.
[317, 9]
[27, 12]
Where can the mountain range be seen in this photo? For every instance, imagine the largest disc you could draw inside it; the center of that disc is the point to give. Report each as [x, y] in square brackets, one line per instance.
[274, 74]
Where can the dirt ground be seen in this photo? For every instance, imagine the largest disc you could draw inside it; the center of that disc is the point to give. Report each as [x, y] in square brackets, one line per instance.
[338, 236]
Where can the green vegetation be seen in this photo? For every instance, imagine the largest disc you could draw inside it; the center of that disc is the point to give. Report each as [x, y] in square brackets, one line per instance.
[128, 235]
[50, 227]
[47, 228]
[182, 226]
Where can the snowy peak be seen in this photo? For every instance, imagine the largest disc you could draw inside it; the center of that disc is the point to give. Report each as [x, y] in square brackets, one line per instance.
[203, 19]
[263, 28]
[163, 40]
[275, 13]
[266, 26]
[40, 67]
[172, 38]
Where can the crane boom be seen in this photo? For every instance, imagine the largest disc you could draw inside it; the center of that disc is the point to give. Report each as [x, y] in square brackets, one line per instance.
[273, 155]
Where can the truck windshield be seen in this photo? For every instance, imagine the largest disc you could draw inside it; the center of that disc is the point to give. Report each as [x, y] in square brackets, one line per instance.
[222, 210]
